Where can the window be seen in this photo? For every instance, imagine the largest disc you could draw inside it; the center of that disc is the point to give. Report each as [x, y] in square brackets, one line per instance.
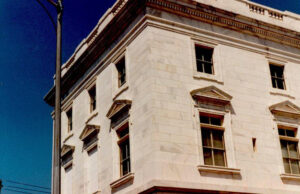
[213, 140]
[92, 94]
[70, 120]
[204, 59]
[123, 134]
[67, 156]
[121, 72]
[290, 150]
[277, 76]
[90, 140]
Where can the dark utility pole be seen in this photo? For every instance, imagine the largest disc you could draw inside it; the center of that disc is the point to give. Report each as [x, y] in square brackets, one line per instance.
[1, 185]
[56, 173]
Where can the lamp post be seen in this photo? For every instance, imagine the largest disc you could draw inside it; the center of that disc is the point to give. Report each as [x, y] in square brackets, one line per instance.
[56, 167]
[56, 174]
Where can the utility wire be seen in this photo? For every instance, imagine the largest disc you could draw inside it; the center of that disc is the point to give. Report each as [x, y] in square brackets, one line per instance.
[16, 191]
[13, 187]
[19, 183]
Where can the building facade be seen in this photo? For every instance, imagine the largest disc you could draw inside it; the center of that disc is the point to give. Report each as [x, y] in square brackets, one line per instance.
[185, 96]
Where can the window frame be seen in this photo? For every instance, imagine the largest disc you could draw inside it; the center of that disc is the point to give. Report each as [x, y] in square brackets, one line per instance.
[121, 141]
[203, 61]
[276, 78]
[69, 114]
[92, 91]
[210, 128]
[119, 75]
[289, 140]
[216, 58]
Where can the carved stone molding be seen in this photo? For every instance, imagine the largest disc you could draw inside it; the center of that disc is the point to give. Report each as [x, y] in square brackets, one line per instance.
[285, 108]
[230, 22]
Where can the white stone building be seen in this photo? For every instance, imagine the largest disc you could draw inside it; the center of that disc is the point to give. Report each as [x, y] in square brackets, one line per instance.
[205, 93]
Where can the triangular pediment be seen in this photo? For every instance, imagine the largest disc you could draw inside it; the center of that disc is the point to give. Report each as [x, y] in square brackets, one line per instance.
[66, 149]
[285, 108]
[117, 106]
[88, 130]
[212, 94]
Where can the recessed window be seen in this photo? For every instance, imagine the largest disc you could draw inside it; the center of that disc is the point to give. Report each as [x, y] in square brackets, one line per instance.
[90, 140]
[290, 150]
[121, 68]
[213, 140]
[70, 119]
[123, 134]
[92, 94]
[204, 59]
[277, 76]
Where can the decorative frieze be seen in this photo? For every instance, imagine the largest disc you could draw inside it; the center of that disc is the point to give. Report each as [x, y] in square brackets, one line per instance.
[228, 22]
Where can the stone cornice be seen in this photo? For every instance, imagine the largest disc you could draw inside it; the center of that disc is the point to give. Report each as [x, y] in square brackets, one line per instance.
[229, 20]
[99, 43]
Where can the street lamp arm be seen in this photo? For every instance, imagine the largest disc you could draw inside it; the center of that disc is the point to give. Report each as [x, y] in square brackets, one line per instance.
[53, 3]
[48, 13]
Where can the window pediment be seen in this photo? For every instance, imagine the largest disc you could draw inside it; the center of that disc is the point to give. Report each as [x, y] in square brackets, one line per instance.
[285, 108]
[89, 130]
[211, 94]
[117, 106]
[67, 149]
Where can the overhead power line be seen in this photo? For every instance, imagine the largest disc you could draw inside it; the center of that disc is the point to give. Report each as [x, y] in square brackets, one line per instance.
[26, 184]
[26, 189]
[16, 191]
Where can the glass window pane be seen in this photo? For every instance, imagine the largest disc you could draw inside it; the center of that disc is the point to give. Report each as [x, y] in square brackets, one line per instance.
[280, 84]
[208, 68]
[218, 139]
[204, 119]
[295, 166]
[219, 158]
[290, 133]
[284, 149]
[281, 132]
[286, 166]
[215, 121]
[206, 137]
[207, 156]
[293, 150]
[200, 66]
[274, 83]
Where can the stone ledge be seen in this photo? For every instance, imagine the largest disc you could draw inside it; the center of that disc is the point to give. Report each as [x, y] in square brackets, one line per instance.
[123, 180]
[93, 115]
[219, 170]
[68, 164]
[120, 90]
[203, 76]
[284, 93]
[68, 137]
[290, 177]
[92, 146]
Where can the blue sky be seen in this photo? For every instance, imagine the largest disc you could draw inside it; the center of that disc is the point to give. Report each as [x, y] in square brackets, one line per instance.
[27, 59]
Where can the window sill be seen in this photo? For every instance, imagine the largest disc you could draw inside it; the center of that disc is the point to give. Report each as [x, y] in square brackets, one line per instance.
[67, 165]
[120, 90]
[290, 177]
[68, 137]
[279, 92]
[93, 115]
[92, 146]
[219, 170]
[208, 77]
[123, 180]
